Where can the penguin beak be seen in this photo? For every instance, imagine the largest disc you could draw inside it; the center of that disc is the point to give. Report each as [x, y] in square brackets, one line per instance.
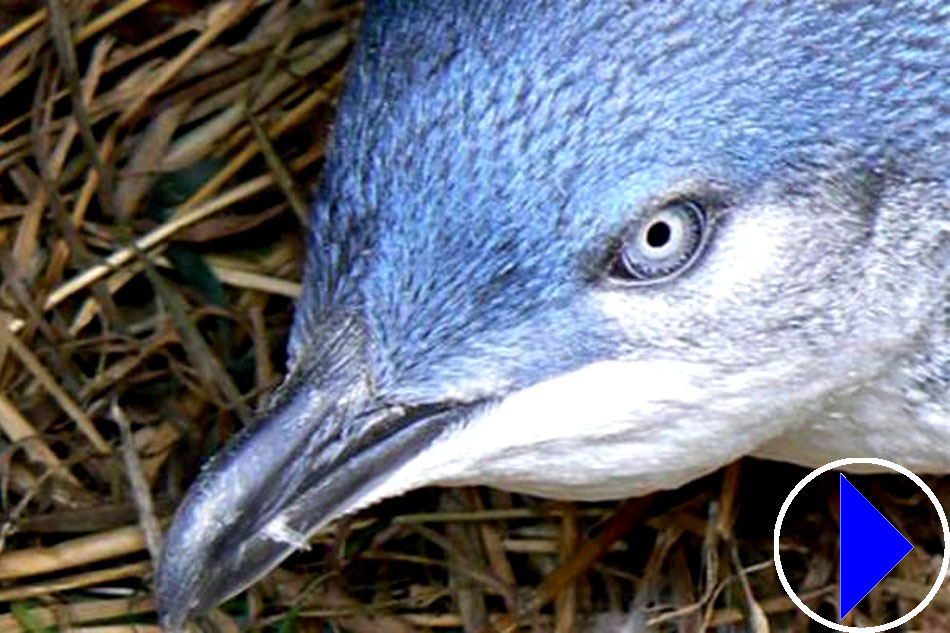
[321, 450]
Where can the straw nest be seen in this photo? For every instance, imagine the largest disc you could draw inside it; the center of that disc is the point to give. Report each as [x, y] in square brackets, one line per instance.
[155, 159]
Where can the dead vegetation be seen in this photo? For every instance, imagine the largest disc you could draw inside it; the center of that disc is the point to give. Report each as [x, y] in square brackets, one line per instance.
[155, 159]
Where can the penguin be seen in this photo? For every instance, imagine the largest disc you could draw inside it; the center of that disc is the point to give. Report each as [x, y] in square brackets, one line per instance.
[592, 249]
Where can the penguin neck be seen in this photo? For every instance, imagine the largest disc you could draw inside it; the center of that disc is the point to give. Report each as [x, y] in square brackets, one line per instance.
[902, 415]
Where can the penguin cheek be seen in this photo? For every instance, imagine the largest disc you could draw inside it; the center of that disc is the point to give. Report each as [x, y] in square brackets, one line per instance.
[608, 429]
[742, 272]
[750, 252]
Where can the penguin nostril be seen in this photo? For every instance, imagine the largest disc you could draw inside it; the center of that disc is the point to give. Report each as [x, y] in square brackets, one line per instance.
[658, 235]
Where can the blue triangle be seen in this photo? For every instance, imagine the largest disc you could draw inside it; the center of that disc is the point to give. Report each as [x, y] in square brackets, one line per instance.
[870, 547]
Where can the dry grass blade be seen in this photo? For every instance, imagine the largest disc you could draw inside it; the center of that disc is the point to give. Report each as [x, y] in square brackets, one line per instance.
[566, 602]
[593, 549]
[18, 429]
[202, 357]
[146, 242]
[24, 26]
[125, 628]
[147, 157]
[757, 620]
[72, 553]
[110, 17]
[133, 570]
[62, 42]
[44, 377]
[281, 173]
[222, 16]
[139, 484]
[79, 613]
[464, 551]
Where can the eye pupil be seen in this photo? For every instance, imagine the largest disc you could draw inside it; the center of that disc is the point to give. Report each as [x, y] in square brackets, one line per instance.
[658, 235]
[661, 245]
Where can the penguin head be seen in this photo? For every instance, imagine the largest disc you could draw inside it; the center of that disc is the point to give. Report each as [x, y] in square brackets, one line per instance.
[587, 254]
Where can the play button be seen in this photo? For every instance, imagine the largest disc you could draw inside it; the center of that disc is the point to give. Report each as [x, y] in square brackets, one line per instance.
[870, 547]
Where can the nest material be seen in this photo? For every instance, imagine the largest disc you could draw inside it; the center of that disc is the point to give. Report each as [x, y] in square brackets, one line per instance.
[154, 161]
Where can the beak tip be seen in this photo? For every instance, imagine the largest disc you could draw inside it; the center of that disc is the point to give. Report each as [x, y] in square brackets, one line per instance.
[171, 623]
[172, 614]
[274, 485]
[182, 577]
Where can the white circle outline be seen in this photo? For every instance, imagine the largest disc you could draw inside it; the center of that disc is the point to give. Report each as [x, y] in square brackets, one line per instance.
[876, 462]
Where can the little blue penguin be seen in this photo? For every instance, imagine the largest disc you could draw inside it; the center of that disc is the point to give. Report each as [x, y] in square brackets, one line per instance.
[590, 249]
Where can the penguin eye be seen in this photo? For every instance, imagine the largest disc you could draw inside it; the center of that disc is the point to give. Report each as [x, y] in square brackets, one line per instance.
[662, 245]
